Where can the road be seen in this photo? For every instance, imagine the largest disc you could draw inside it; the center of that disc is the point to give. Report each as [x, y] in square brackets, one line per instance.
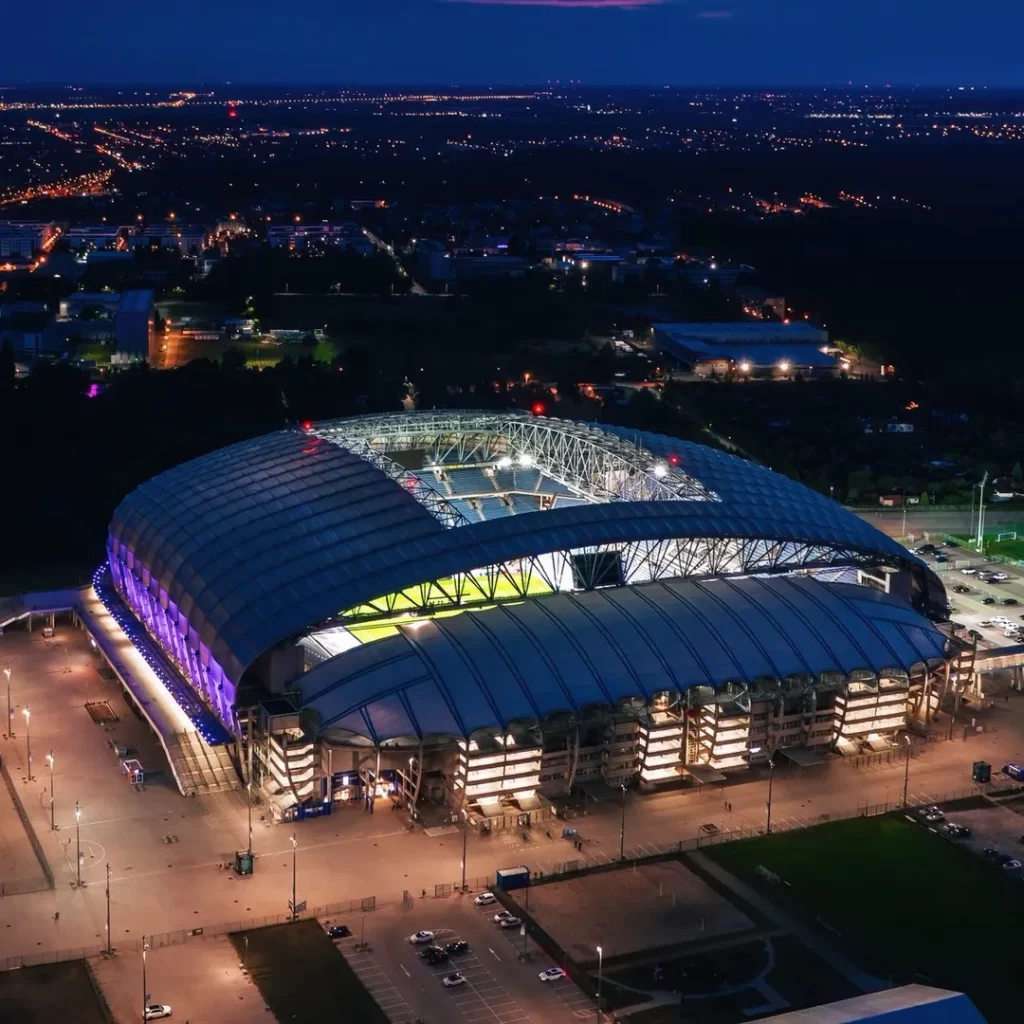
[415, 289]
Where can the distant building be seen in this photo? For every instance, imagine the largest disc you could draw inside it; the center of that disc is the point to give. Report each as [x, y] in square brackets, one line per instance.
[302, 236]
[750, 348]
[188, 239]
[134, 323]
[78, 302]
[756, 298]
[435, 263]
[97, 236]
[25, 238]
[25, 331]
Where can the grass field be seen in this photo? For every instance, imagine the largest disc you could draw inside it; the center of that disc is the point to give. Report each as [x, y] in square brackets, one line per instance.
[904, 903]
[303, 977]
[49, 993]
[1000, 548]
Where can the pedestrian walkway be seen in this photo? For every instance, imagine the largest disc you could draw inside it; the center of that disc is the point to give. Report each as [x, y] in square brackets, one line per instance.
[813, 941]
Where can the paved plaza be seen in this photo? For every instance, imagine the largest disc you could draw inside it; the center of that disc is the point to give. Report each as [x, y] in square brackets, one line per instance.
[166, 852]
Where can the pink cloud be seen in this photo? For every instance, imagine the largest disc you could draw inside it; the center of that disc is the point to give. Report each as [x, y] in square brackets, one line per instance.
[567, 3]
[714, 15]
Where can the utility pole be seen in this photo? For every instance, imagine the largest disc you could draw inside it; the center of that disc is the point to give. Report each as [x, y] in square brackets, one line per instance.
[110, 945]
[78, 843]
[145, 993]
[622, 825]
[49, 761]
[906, 770]
[248, 798]
[981, 511]
[10, 731]
[771, 773]
[295, 847]
[465, 838]
[28, 740]
[600, 972]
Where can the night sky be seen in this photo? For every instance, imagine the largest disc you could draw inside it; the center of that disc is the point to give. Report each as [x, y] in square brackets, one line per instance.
[703, 42]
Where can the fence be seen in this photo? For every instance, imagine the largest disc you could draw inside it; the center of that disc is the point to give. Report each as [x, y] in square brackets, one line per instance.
[579, 864]
[26, 886]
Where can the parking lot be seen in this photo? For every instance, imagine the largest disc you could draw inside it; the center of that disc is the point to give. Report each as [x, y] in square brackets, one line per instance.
[500, 986]
[997, 828]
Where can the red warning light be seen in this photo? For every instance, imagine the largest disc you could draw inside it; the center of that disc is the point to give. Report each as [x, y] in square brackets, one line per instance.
[307, 425]
[232, 110]
[673, 460]
[537, 408]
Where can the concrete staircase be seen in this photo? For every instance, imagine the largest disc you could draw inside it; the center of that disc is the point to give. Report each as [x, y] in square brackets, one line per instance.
[199, 767]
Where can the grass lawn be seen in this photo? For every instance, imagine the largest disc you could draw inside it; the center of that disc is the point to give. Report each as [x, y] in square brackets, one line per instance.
[49, 993]
[303, 977]
[905, 903]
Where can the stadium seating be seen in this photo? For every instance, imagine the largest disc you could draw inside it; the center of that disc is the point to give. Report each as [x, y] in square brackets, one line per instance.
[522, 503]
[526, 479]
[466, 508]
[470, 481]
[493, 508]
[505, 480]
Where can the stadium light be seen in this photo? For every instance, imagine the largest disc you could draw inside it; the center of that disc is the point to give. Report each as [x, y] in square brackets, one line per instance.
[525, 459]
[659, 469]
[744, 367]
[784, 366]
[504, 462]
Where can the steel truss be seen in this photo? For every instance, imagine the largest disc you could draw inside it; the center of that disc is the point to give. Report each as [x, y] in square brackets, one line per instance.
[612, 564]
[585, 459]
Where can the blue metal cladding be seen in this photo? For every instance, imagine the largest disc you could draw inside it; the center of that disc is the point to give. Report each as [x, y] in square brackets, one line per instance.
[255, 542]
[563, 652]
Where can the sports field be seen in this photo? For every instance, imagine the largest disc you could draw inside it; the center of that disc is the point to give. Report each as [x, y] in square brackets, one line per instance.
[901, 901]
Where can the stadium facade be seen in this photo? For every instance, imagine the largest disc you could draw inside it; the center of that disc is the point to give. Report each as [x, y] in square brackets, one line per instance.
[481, 609]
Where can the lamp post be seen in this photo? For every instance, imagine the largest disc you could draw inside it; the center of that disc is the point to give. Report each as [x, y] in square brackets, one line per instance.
[10, 731]
[906, 769]
[28, 740]
[145, 993]
[110, 947]
[49, 761]
[771, 773]
[622, 825]
[600, 971]
[248, 798]
[295, 847]
[78, 843]
[465, 839]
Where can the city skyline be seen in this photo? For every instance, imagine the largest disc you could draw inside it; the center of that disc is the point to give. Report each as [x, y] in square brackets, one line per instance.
[595, 42]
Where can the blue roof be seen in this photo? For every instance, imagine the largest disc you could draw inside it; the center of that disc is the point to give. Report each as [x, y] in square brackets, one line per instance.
[257, 541]
[563, 652]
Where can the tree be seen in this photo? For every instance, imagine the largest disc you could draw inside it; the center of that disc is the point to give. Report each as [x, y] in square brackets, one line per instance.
[1017, 475]
[233, 359]
[925, 501]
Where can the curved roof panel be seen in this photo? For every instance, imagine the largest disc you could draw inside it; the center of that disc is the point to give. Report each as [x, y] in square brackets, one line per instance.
[257, 541]
[562, 652]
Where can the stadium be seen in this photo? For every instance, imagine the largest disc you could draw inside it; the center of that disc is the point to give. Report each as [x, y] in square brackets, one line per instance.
[478, 611]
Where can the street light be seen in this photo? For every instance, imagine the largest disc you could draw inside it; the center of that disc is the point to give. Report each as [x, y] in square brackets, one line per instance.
[600, 968]
[78, 842]
[906, 769]
[49, 761]
[145, 993]
[248, 795]
[28, 740]
[110, 945]
[771, 773]
[622, 826]
[295, 847]
[465, 838]
[10, 731]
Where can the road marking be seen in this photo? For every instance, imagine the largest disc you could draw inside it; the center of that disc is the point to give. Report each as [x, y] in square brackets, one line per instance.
[495, 955]
[404, 968]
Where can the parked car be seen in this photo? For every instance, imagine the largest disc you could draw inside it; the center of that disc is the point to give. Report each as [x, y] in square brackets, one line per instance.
[457, 948]
[485, 899]
[552, 974]
[988, 600]
[990, 853]
[501, 915]
[941, 558]
[961, 589]
[924, 549]
[969, 572]
[510, 922]
[434, 955]
[955, 831]
[421, 937]
[1014, 770]
[157, 1011]
[974, 634]
[931, 814]
[339, 931]
[453, 979]
[1009, 600]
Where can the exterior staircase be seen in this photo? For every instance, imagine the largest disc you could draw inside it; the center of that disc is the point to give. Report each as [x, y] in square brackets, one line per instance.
[198, 767]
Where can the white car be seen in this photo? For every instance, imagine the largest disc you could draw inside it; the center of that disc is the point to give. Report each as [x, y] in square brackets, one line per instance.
[1012, 865]
[451, 980]
[969, 572]
[158, 1011]
[502, 914]
[421, 937]
[931, 814]
[552, 974]
[510, 922]
[485, 899]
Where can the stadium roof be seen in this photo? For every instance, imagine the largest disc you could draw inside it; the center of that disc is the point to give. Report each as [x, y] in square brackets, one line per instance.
[257, 541]
[564, 652]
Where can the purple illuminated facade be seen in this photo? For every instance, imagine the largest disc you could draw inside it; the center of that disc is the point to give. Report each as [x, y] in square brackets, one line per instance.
[172, 631]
